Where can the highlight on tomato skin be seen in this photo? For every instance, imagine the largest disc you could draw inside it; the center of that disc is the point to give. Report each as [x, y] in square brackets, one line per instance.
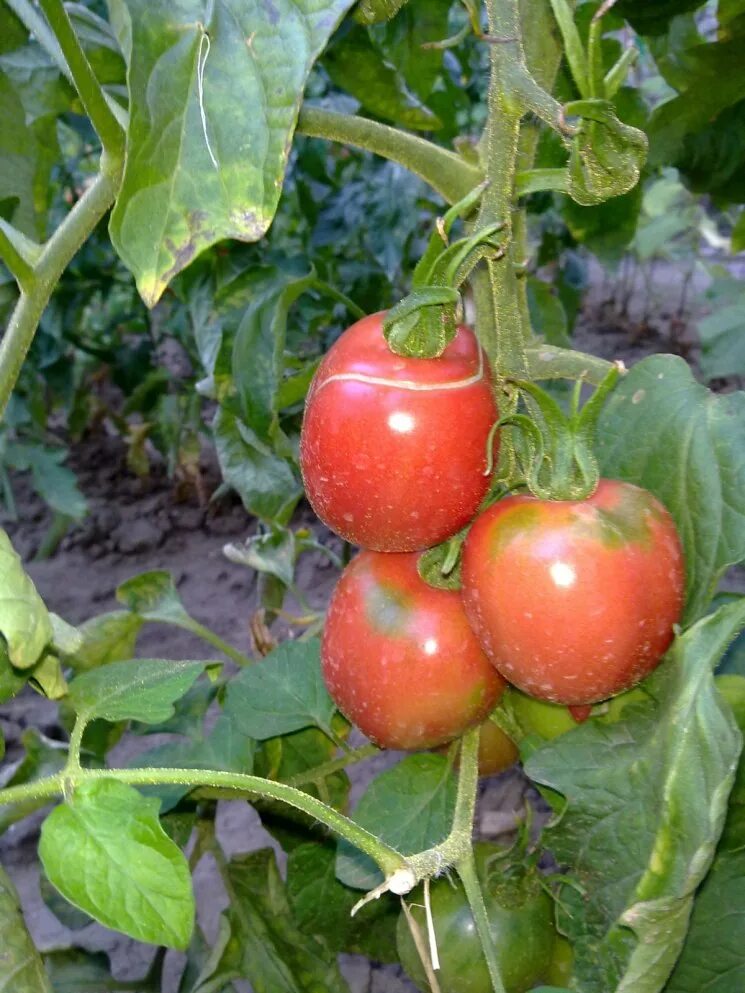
[575, 601]
[399, 658]
[393, 450]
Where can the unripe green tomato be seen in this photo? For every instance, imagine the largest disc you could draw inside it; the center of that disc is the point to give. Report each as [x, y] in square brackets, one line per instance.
[521, 919]
[549, 720]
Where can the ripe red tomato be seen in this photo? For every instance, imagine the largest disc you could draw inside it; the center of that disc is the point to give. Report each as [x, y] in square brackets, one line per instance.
[575, 601]
[399, 657]
[393, 450]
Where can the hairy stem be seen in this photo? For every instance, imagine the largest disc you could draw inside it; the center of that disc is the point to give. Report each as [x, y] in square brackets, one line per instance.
[386, 857]
[56, 255]
[208, 635]
[466, 869]
[445, 171]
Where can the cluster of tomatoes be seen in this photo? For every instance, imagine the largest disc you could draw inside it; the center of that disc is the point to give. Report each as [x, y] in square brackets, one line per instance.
[570, 601]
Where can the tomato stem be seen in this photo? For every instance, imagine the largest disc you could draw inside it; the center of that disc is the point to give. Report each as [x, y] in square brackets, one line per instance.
[466, 869]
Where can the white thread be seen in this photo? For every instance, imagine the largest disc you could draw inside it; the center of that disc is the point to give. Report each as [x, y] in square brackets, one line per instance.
[201, 62]
[433, 953]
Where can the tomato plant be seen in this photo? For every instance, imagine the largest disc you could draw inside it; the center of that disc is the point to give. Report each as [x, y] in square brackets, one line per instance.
[521, 924]
[443, 167]
[399, 657]
[575, 601]
[394, 449]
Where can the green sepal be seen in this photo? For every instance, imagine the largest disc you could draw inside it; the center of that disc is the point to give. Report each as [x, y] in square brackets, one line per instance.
[423, 323]
[440, 566]
[558, 462]
[606, 155]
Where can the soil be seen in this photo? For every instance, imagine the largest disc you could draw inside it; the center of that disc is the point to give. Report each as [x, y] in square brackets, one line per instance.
[137, 525]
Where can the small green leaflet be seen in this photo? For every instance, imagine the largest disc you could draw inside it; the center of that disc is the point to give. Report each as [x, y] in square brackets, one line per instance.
[153, 596]
[138, 689]
[282, 693]
[107, 854]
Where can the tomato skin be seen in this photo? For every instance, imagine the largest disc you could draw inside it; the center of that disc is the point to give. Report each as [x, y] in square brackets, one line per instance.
[575, 601]
[399, 657]
[522, 928]
[393, 450]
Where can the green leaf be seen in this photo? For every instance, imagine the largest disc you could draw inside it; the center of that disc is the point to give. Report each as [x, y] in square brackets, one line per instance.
[21, 966]
[66, 638]
[547, 315]
[404, 39]
[410, 807]
[138, 690]
[75, 970]
[688, 448]
[355, 65]
[260, 942]
[226, 748]
[258, 354]
[107, 854]
[11, 680]
[265, 482]
[272, 552]
[284, 692]
[24, 620]
[637, 843]
[55, 483]
[153, 597]
[110, 637]
[322, 905]
[215, 89]
[713, 956]
[723, 341]
[606, 155]
[291, 755]
[18, 154]
[12, 32]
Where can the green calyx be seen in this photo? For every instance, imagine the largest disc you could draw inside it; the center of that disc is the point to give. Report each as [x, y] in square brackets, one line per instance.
[425, 322]
[440, 566]
[556, 456]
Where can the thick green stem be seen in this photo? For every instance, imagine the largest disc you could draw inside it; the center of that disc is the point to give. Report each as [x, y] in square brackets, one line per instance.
[73, 752]
[446, 172]
[386, 857]
[500, 325]
[106, 125]
[57, 253]
[466, 869]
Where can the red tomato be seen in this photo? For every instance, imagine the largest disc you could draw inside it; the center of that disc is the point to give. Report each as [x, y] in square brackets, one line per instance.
[393, 450]
[399, 657]
[575, 601]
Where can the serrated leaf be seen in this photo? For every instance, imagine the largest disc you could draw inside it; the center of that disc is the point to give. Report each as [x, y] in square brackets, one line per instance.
[138, 689]
[637, 843]
[356, 66]
[266, 482]
[215, 89]
[689, 450]
[284, 692]
[24, 620]
[107, 854]
[260, 942]
[322, 905]
[409, 806]
[110, 637]
[21, 966]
